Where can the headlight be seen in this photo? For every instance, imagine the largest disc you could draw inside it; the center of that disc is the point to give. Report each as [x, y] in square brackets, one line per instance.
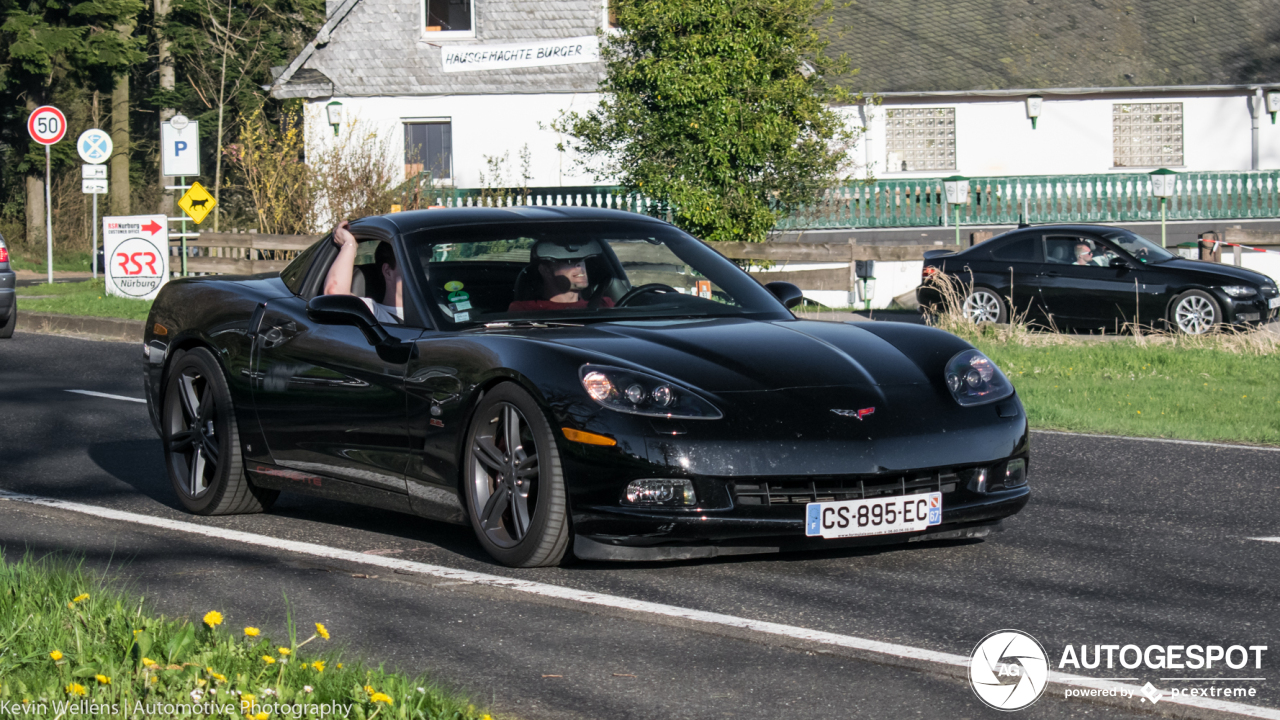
[1239, 291]
[641, 394]
[974, 380]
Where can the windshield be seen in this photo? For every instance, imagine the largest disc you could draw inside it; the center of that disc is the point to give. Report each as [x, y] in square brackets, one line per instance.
[1142, 249]
[578, 271]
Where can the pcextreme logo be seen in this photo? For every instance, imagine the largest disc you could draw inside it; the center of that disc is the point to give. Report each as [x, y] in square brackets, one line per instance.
[1008, 670]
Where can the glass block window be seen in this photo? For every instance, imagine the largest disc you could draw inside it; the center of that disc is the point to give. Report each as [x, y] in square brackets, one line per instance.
[921, 139]
[1147, 134]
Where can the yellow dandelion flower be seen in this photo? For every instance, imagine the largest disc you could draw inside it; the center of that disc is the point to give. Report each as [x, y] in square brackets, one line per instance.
[154, 679]
[213, 618]
[102, 679]
[246, 700]
[318, 665]
[322, 631]
[76, 689]
[148, 662]
[80, 598]
[252, 632]
[268, 660]
[56, 655]
[381, 698]
[284, 651]
[261, 716]
[339, 666]
[368, 689]
[219, 677]
[201, 682]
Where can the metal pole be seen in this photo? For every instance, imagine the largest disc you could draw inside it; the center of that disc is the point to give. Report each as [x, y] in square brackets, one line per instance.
[48, 215]
[1162, 236]
[957, 224]
[93, 259]
[182, 180]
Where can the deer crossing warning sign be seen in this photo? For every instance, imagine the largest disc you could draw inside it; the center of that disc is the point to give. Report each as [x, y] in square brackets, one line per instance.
[197, 203]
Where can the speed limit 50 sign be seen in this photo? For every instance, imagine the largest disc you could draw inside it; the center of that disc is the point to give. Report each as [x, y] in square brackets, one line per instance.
[47, 125]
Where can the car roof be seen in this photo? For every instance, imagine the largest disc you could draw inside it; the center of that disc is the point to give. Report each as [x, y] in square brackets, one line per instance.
[414, 220]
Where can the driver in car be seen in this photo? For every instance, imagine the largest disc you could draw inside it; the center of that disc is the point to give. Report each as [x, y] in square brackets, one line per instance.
[563, 281]
[338, 281]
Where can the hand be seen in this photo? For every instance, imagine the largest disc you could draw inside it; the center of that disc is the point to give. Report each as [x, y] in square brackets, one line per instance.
[342, 234]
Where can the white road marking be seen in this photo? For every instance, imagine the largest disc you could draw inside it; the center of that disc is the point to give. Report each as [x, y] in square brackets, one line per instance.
[1274, 539]
[1229, 446]
[592, 598]
[93, 393]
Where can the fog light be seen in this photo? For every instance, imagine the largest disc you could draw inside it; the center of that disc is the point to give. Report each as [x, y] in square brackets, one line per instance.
[1015, 474]
[977, 479]
[661, 491]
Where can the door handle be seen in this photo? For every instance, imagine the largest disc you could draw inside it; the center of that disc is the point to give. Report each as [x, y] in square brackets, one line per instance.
[1053, 274]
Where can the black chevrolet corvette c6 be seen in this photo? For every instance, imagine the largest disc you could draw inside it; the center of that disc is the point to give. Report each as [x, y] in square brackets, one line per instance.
[676, 409]
[1097, 277]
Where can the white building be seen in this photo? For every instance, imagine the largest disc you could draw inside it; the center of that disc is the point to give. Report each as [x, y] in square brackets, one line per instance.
[416, 69]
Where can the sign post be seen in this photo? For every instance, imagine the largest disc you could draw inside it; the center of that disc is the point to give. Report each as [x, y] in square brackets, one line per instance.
[95, 148]
[180, 157]
[137, 252]
[47, 125]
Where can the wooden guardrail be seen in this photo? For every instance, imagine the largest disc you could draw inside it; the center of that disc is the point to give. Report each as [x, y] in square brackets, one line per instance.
[251, 253]
[241, 253]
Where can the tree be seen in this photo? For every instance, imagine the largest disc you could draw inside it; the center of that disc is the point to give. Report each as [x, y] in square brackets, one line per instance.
[47, 46]
[721, 108]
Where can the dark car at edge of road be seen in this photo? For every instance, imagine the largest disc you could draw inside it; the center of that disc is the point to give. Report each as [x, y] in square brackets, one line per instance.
[1097, 277]
[8, 299]
[680, 411]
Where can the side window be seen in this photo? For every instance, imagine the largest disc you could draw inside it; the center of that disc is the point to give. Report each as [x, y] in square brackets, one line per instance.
[1061, 250]
[1026, 249]
[1078, 250]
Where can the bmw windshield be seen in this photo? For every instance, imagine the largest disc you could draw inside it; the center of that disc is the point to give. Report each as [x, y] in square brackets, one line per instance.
[553, 272]
[1142, 249]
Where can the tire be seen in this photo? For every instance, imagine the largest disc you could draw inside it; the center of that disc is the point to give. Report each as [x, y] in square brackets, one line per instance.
[202, 441]
[1195, 312]
[516, 501]
[984, 305]
[6, 330]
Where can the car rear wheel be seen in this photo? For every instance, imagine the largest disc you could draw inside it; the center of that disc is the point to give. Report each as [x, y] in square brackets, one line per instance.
[514, 485]
[983, 305]
[202, 441]
[1195, 312]
[6, 330]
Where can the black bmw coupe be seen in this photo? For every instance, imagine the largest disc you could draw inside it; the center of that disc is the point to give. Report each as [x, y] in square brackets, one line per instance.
[674, 408]
[1097, 277]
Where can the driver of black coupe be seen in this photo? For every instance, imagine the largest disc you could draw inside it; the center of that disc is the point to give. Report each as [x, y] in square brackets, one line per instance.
[557, 277]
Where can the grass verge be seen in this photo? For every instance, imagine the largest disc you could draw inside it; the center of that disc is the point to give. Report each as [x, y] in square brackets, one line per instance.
[69, 641]
[35, 262]
[1223, 386]
[81, 298]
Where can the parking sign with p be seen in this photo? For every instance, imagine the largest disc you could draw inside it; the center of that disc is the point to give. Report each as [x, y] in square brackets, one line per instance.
[180, 147]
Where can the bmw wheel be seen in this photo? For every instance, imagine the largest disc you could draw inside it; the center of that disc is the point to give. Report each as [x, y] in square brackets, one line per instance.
[1195, 312]
[202, 442]
[514, 485]
[983, 305]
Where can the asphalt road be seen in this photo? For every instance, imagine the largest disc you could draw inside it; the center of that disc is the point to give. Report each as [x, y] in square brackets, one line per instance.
[1123, 542]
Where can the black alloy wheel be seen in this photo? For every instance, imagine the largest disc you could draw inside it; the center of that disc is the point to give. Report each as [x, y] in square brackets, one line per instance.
[202, 442]
[515, 492]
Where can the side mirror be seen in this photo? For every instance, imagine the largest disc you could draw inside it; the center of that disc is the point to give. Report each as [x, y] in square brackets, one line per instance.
[1120, 263]
[347, 310]
[789, 294]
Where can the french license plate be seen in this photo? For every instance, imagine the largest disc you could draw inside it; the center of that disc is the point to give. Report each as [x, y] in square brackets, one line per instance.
[875, 516]
[1273, 303]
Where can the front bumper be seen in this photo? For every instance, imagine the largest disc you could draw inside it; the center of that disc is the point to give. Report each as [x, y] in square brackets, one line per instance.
[1249, 311]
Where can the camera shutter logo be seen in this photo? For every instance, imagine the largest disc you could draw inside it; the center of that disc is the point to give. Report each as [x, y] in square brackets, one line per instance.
[1008, 670]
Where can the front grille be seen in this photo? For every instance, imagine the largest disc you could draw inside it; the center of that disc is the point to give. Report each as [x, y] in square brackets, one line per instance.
[827, 489]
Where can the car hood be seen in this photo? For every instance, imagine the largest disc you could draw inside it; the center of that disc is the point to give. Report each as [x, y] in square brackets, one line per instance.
[727, 355]
[1213, 272]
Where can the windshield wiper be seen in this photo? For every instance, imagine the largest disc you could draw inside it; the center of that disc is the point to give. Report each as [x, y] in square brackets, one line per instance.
[528, 324]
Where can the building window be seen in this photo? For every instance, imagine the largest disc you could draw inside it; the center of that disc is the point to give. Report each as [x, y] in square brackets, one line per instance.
[1146, 134]
[610, 14]
[428, 148]
[921, 139]
[450, 15]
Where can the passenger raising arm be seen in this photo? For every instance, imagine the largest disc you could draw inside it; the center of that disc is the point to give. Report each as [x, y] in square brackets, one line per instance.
[338, 281]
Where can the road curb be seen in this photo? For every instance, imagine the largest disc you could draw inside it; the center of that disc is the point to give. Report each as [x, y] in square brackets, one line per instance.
[97, 328]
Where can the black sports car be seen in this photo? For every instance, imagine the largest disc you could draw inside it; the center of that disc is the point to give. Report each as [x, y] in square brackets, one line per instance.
[1097, 277]
[676, 408]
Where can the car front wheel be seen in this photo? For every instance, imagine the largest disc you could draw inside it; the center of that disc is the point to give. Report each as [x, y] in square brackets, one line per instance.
[1195, 312]
[202, 441]
[513, 482]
